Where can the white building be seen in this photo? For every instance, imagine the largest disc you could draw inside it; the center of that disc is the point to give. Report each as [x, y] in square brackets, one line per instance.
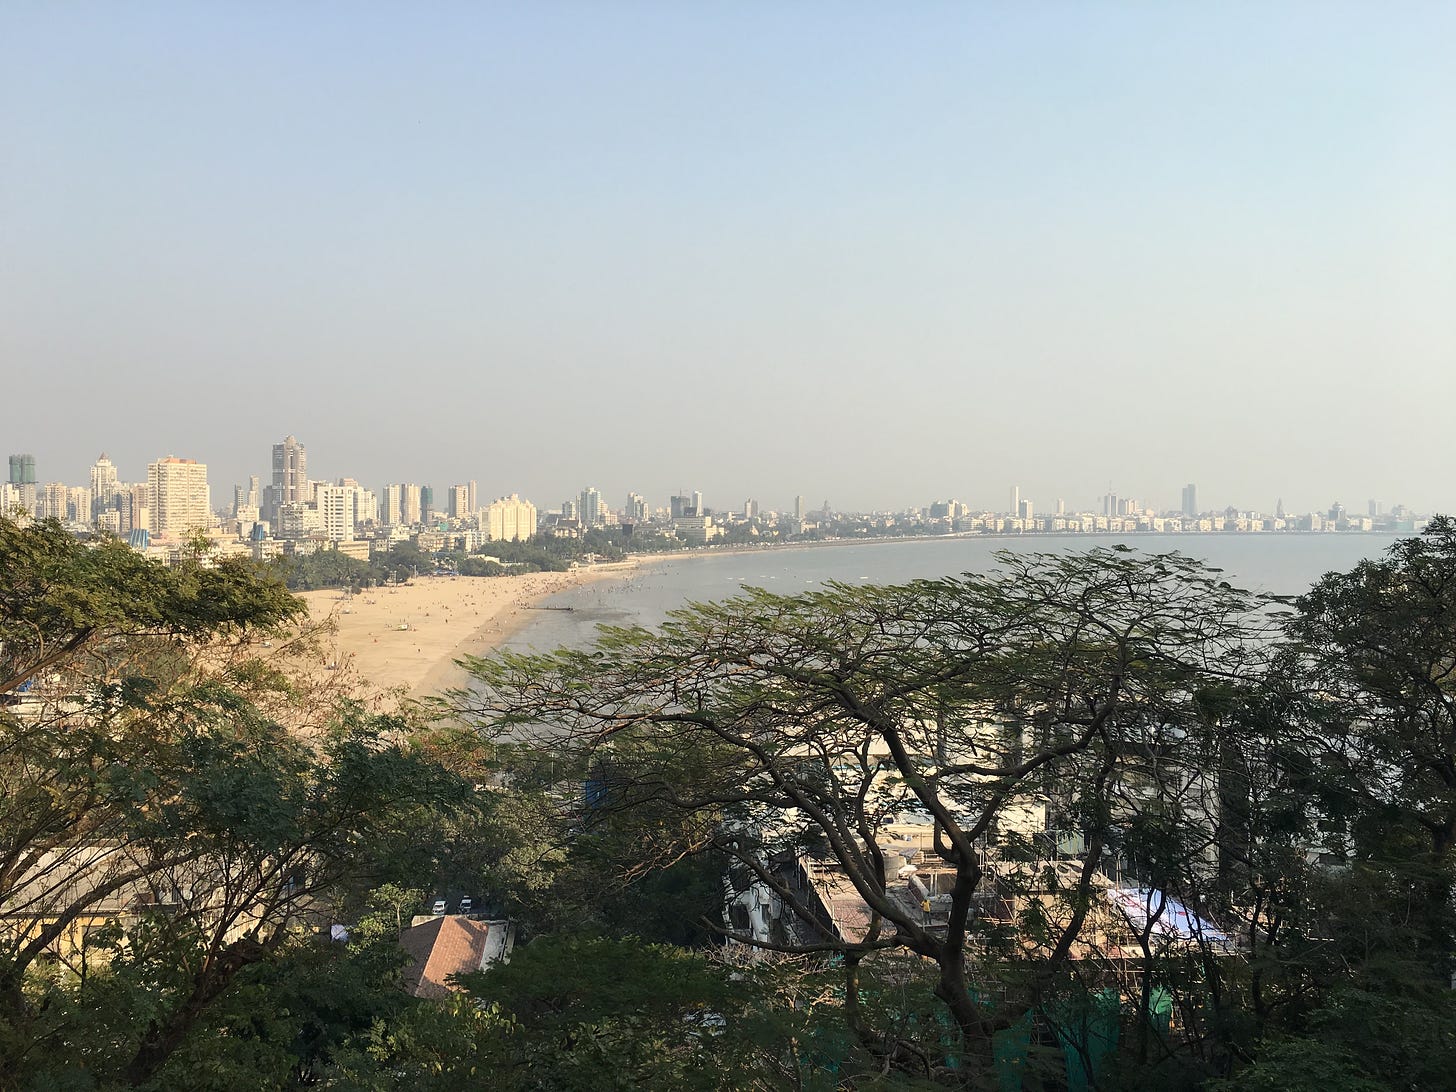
[104, 485]
[178, 499]
[509, 519]
[344, 507]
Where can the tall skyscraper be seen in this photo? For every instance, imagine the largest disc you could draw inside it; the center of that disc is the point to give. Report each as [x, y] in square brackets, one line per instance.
[22, 478]
[460, 506]
[411, 502]
[1015, 500]
[22, 470]
[389, 505]
[1190, 499]
[103, 485]
[590, 507]
[177, 496]
[290, 476]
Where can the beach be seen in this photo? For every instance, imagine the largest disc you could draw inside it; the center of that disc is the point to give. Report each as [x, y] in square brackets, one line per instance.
[407, 637]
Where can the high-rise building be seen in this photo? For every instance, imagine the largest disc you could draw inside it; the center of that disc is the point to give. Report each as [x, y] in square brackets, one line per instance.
[800, 508]
[750, 509]
[1024, 510]
[1015, 508]
[22, 479]
[133, 507]
[460, 506]
[246, 497]
[589, 505]
[51, 501]
[22, 470]
[401, 505]
[509, 519]
[637, 510]
[290, 476]
[177, 496]
[103, 484]
[1190, 499]
[343, 507]
[79, 507]
[389, 505]
[427, 504]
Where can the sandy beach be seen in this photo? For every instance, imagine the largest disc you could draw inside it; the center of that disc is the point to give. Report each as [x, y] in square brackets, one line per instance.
[408, 637]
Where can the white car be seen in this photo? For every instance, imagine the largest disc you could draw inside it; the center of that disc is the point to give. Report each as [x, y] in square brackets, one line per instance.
[465, 905]
[439, 907]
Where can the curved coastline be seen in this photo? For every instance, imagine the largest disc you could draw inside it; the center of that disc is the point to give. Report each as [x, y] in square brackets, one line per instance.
[407, 638]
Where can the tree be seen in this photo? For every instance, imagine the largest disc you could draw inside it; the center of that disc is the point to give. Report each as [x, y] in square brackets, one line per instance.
[161, 831]
[1380, 646]
[62, 600]
[772, 727]
[583, 1012]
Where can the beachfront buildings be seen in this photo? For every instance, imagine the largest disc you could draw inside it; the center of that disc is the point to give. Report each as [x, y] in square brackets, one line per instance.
[509, 519]
[177, 496]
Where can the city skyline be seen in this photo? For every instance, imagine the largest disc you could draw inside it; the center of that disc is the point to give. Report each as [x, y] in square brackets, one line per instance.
[391, 499]
[844, 252]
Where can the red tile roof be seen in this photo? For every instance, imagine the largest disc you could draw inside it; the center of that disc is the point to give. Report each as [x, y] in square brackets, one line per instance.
[440, 948]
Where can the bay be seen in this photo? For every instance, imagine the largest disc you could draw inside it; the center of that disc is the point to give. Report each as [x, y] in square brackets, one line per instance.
[1281, 564]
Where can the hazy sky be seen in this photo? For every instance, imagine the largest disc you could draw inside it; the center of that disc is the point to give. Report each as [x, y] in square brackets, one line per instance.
[877, 253]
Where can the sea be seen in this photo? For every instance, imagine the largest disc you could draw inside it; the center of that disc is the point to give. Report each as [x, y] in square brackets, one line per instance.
[1278, 564]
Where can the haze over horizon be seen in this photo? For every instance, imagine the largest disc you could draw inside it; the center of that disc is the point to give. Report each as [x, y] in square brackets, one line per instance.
[879, 256]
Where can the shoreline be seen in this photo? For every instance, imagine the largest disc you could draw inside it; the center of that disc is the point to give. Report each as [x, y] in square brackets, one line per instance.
[996, 536]
[402, 639]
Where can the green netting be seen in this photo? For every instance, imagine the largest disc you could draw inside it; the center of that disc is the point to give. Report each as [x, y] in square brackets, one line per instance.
[1160, 1011]
[1011, 1049]
[1087, 1028]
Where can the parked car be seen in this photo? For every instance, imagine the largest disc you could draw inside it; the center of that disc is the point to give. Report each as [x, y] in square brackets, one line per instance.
[439, 907]
[465, 905]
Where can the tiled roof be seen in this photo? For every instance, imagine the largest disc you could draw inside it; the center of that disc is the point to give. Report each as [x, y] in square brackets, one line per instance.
[439, 948]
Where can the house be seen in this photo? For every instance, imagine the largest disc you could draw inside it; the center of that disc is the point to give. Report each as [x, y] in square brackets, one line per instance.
[452, 945]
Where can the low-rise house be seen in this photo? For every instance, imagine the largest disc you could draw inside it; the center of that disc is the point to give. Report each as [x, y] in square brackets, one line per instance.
[446, 946]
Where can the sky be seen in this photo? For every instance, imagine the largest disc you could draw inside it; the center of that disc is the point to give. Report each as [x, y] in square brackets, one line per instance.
[875, 254]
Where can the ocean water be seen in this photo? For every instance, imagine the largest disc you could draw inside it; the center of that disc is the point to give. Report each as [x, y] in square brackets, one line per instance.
[1281, 564]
